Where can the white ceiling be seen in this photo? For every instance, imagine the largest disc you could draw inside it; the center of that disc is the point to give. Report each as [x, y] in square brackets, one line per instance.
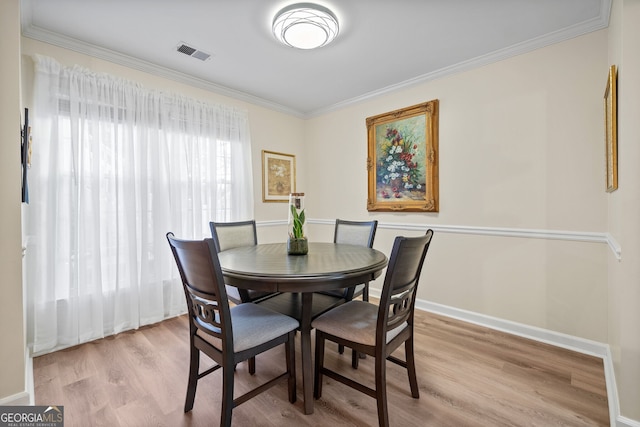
[382, 45]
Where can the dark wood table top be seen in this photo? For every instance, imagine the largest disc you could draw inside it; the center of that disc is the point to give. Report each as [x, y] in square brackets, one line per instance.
[327, 266]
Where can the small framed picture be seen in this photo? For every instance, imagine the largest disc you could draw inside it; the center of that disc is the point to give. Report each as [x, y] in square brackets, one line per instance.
[278, 176]
[610, 130]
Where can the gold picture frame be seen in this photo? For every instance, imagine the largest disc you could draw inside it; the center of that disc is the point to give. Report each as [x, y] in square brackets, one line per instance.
[278, 176]
[611, 129]
[402, 161]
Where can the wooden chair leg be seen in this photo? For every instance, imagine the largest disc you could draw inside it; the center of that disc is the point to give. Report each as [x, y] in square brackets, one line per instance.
[359, 356]
[227, 397]
[365, 297]
[381, 392]
[252, 365]
[291, 365]
[411, 368]
[194, 367]
[317, 392]
[354, 359]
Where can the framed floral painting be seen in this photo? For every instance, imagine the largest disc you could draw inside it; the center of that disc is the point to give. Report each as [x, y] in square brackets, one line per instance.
[402, 160]
[278, 176]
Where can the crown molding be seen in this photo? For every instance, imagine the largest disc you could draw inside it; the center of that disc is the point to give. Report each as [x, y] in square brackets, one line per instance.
[36, 33]
[46, 36]
[595, 24]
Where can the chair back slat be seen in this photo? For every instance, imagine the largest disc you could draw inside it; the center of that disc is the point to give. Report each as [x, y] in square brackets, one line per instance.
[203, 285]
[400, 286]
[228, 235]
[206, 314]
[400, 308]
[359, 233]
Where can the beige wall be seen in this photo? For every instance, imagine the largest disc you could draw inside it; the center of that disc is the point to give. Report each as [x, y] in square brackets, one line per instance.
[520, 147]
[12, 346]
[624, 209]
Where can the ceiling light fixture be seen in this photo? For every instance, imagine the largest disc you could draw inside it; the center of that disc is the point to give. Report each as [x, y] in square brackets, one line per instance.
[305, 26]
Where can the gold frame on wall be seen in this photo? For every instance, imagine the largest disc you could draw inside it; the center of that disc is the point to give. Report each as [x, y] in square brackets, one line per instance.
[402, 160]
[278, 176]
[611, 129]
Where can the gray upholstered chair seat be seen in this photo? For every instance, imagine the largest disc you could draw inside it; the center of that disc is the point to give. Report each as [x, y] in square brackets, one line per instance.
[252, 326]
[354, 321]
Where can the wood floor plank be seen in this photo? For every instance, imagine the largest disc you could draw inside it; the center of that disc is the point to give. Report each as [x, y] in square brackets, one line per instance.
[468, 375]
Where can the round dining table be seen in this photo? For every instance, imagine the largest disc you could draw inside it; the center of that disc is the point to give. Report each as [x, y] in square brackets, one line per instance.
[327, 266]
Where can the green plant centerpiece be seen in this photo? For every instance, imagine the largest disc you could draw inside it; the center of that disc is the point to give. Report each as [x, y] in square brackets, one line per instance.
[297, 243]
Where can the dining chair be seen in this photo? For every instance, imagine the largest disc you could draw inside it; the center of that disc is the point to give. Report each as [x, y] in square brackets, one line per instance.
[378, 330]
[226, 335]
[360, 233]
[227, 235]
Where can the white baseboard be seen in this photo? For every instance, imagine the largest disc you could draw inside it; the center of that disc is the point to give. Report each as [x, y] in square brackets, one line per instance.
[18, 399]
[557, 339]
[546, 336]
[626, 422]
[24, 398]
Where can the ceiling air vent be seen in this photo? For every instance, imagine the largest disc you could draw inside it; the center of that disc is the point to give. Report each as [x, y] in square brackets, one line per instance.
[193, 52]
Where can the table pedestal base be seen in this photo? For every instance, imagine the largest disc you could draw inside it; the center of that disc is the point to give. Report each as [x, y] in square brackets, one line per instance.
[304, 307]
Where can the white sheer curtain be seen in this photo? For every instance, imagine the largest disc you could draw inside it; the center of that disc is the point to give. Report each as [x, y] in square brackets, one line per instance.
[114, 168]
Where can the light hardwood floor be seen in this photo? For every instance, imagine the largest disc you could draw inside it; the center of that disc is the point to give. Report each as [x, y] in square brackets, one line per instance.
[468, 376]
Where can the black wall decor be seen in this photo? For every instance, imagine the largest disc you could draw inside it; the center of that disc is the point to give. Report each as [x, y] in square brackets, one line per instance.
[25, 156]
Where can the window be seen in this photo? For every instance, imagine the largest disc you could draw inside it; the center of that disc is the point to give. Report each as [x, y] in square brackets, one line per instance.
[114, 168]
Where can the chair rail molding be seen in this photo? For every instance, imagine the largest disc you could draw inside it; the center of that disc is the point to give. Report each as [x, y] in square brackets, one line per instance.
[576, 236]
